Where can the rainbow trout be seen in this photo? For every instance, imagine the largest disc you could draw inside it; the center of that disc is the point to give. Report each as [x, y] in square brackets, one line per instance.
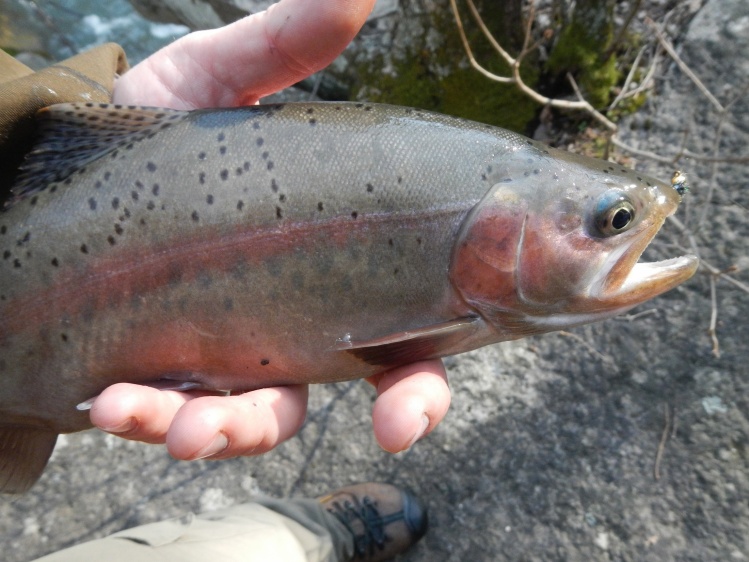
[298, 243]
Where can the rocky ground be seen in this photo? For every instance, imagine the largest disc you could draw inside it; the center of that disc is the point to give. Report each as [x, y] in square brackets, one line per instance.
[628, 440]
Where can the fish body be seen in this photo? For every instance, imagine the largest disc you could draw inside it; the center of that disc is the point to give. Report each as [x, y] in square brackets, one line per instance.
[297, 243]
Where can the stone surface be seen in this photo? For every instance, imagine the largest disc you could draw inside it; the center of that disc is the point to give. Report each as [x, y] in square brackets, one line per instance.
[549, 450]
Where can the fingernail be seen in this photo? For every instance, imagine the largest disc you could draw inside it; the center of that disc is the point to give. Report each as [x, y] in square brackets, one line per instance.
[420, 433]
[128, 425]
[219, 443]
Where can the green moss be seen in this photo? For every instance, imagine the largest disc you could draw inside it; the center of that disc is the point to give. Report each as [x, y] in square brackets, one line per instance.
[420, 79]
[578, 51]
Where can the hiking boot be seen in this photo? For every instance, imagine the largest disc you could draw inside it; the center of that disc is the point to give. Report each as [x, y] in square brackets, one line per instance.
[383, 519]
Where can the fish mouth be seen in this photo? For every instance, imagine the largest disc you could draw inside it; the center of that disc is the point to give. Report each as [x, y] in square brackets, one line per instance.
[629, 282]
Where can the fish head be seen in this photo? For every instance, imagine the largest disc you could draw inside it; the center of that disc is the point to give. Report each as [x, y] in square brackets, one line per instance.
[556, 242]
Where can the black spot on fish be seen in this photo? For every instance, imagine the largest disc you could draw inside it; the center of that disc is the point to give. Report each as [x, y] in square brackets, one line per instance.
[150, 206]
[354, 215]
[6, 254]
[238, 171]
[265, 155]
[418, 240]
[259, 141]
[155, 189]
[370, 188]
[195, 216]
[240, 205]
[319, 206]
[279, 213]
[134, 195]
[359, 105]
[16, 263]
[282, 198]
[139, 184]
[107, 176]
[395, 271]
[255, 125]
[205, 280]
[313, 122]
[64, 337]
[33, 200]
[201, 155]
[84, 249]
[68, 181]
[97, 184]
[209, 199]
[111, 240]
[118, 229]
[310, 110]
[151, 167]
[221, 137]
[536, 171]
[228, 304]
[606, 172]
[3, 229]
[115, 203]
[114, 154]
[264, 362]
[22, 241]
[201, 178]
[270, 164]
[224, 174]
[246, 166]
[400, 179]
[390, 241]
[222, 150]
[55, 263]
[53, 188]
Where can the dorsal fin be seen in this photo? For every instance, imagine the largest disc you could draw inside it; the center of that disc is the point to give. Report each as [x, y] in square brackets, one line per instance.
[70, 135]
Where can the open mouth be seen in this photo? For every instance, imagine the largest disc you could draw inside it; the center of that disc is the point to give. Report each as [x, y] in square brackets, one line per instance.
[631, 282]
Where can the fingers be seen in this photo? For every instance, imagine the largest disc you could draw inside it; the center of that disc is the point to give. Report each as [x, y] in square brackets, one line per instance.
[222, 427]
[137, 412]
[197, 425]
[251, 58]
[411, 401]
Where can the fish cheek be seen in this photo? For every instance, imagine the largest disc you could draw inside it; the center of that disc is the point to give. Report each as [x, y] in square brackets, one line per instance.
[557, 260]
[484, 260]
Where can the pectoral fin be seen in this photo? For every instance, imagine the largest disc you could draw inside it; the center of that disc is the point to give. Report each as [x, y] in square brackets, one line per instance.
[24, 453]
[412, 345]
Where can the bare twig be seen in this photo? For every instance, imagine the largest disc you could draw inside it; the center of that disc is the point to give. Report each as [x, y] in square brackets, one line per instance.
[667, 431]
[514, 64]
[633, 317]
[666, 44]
[603, 357]
[628, 80]
[714, 318]
[622, 31]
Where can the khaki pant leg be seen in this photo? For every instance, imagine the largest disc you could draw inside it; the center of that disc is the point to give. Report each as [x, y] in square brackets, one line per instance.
[247, 533]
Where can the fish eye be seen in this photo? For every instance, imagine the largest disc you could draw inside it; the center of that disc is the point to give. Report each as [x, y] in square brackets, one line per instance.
[614, 214]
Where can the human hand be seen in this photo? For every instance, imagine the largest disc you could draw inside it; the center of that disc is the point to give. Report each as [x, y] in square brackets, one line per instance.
[237, 65]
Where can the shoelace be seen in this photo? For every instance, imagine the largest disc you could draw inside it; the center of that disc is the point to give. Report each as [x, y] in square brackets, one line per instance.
[374, 525]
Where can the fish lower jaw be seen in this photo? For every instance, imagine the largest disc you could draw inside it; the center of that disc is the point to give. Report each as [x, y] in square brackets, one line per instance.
[648, 279]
